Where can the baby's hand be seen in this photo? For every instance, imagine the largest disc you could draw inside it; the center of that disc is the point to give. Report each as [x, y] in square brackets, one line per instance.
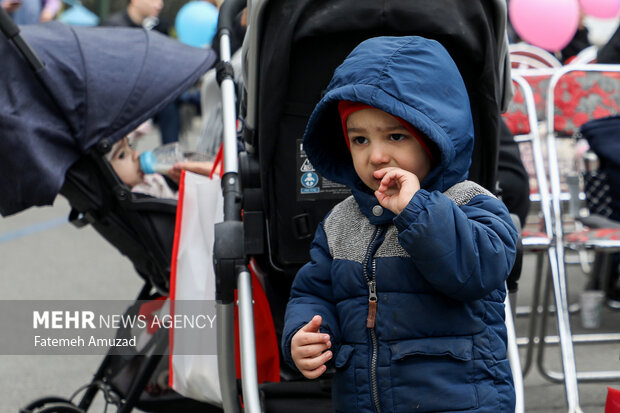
[396, 189]
[308, 349]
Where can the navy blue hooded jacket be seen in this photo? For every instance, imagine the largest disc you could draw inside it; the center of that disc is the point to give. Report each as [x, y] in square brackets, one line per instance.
[439, 342]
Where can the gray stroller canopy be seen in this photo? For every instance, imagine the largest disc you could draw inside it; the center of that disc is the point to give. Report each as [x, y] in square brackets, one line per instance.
[96, 83]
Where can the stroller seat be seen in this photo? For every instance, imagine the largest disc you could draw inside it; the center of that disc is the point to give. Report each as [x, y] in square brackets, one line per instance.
[139, 226]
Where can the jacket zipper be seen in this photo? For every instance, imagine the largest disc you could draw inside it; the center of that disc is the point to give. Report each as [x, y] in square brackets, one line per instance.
[371, 318]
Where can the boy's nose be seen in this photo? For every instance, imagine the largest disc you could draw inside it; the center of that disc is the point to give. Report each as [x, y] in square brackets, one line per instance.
[378, 155]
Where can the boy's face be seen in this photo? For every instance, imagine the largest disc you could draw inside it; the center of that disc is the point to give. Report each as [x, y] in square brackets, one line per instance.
[126, 163]
[378, 140]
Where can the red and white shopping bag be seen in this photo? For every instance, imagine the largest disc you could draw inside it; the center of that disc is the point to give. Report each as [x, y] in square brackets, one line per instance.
[200, 207]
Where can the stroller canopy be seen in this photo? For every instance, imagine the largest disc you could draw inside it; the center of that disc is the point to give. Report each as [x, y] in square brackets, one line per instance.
[96, 83]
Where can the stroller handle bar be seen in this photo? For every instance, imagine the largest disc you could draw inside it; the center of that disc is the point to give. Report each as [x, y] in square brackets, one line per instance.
[228, 11]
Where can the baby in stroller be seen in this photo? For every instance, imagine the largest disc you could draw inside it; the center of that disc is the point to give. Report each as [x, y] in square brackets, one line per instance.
[125, 162]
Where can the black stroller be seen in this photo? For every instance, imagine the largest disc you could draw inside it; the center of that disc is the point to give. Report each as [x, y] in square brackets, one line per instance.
[290, 51]
[67, 97]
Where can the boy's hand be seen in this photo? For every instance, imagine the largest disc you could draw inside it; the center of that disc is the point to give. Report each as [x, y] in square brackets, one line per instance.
[308, 349]
[396, 189]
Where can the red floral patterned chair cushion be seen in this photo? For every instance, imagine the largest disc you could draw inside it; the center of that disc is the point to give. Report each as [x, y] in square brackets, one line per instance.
[534, 240]
[581, 96]
[539, 85]
[600, 238]
[516, 115]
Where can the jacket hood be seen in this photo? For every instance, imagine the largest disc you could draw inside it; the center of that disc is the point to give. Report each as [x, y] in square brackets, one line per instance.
[411, 77]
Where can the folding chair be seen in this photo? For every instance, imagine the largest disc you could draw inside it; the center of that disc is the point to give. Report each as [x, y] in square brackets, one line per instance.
[522, 121]
[577, 94]
[523, 55]
[538, 79]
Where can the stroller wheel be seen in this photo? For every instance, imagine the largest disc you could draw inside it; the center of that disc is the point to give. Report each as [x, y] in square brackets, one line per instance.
[51, 405]
[60, 408]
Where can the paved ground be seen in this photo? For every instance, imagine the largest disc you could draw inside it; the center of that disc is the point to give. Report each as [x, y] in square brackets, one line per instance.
[44, 257]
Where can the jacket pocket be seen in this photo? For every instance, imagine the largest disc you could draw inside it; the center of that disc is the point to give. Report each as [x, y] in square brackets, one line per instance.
[344, 356]
[344, 390]
[433, 375]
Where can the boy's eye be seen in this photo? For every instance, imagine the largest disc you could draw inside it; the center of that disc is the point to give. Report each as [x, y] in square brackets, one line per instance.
[397, 137]
[121, 155]
[360, 140]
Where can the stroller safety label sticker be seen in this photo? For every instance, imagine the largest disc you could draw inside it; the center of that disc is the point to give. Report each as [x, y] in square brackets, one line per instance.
[310, 185]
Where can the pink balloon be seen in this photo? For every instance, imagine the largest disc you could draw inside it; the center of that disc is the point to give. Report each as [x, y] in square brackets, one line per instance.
[603, 9]
[550, 24]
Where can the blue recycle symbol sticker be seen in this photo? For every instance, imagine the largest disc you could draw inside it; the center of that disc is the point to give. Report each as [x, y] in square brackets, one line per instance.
[309, 179]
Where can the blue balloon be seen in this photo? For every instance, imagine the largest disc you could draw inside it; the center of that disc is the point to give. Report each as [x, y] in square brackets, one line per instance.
[196, 23]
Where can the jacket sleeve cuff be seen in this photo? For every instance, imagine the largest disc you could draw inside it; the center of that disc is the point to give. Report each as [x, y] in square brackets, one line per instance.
[411, 211]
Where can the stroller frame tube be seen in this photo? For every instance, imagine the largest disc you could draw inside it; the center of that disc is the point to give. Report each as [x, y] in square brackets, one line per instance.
[229, 253]
[227, 86]
[226, 359]
[249, 374]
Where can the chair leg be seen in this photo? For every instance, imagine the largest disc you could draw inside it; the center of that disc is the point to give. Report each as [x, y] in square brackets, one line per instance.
[542, 335]
[513, 356]
[534, 312]
[569, 376]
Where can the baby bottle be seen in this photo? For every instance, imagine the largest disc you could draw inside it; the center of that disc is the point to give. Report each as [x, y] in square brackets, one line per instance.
[162, 158]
